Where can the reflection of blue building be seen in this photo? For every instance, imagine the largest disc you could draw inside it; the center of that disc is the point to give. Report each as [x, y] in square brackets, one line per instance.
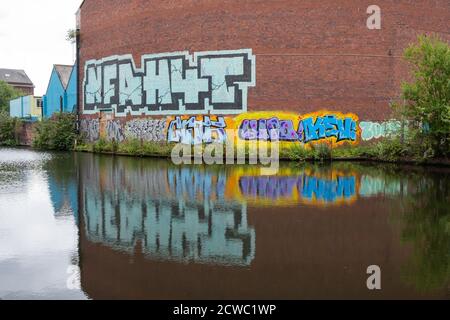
[61, 95]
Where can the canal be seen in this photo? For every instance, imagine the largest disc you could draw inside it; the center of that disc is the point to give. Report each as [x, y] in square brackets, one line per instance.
[84, 226]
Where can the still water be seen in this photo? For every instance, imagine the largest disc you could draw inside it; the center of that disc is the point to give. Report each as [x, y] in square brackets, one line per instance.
[83, 226]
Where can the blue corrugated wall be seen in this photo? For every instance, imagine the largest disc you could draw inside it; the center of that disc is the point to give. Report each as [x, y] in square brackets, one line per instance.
[72, 91]
[55, 91]
[20, 107]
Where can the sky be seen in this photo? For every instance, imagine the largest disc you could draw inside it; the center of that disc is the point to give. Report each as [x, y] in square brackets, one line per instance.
[32, 37]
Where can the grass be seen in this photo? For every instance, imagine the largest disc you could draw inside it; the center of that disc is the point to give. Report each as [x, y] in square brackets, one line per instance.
[132, 147]
[387, 150]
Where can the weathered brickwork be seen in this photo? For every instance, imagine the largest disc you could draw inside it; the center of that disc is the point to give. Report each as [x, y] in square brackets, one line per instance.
[310, 55]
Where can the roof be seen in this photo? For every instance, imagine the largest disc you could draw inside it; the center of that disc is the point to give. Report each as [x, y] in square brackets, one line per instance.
[64, 73]
[15, 76]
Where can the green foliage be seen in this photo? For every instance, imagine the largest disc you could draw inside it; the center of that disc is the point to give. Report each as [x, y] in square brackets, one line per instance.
[426, 221]
[7, 93]
[427, 97]
[57, 133]
[319, 152]
[9, 128]
[71, 35]
[133, 147]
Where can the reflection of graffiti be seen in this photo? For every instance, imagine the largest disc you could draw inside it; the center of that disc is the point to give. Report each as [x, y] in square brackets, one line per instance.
[372, 186]
[174, 214]
[194, 131]
[175, 83]
[146, 129]
[309, 128]
[90, 129]
[307, 187]
[114, 131]
[375, 130]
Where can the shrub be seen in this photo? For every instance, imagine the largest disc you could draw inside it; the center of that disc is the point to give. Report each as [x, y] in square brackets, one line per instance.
[427, 97]
[322, 151]
[8, 130]
[57, 133]
[7, 93]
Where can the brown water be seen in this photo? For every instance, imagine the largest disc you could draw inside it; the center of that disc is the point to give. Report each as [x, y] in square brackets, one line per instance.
[83, 226]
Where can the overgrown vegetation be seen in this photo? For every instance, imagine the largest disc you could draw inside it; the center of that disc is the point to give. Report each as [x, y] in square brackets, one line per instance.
[57, 133]
[7, 93]
[132, 147]
[427, 101]
[425, 113]
[9, 129]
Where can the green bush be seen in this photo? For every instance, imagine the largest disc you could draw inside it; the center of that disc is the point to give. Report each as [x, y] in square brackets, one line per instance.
[7, 93]
[319, 152]
[57, 133]
[8, 130]
[427, 97]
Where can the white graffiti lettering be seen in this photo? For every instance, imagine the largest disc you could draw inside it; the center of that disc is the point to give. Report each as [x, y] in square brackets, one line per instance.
[170, 84]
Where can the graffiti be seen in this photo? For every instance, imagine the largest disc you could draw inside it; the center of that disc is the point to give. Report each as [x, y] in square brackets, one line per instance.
[268, 130]
[146, 129]
[90, 129]
[310, 128]
[375, 130]
[174, 83]
[193, 131]
[114, 131]
[307, 187]
[328, 126]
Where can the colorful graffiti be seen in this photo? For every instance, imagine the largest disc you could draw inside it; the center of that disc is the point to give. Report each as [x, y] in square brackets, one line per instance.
[114, 131]
[90, 129]
[376, 130]
[193, 130]
[316, 127]
[146, 129]
[330, 127]
[171, 84]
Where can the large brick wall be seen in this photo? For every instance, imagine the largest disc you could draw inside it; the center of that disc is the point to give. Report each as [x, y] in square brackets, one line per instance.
[310, 54]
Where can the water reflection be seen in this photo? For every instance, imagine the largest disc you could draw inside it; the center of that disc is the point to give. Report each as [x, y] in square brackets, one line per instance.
[37, 245]
[148, 229]
[175, 213]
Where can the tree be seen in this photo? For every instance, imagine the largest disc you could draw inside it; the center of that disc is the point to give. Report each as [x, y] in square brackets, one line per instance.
[71, 35]
[427, 97]
[7, 93]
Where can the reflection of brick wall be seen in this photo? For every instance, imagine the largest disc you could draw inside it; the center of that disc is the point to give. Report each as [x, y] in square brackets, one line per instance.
[309, 54]
[25, 133]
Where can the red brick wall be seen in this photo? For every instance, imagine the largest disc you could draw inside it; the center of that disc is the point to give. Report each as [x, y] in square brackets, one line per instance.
[26, 133]
[310, 54]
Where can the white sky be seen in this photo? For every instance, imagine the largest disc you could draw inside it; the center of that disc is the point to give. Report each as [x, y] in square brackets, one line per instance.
[32, 37]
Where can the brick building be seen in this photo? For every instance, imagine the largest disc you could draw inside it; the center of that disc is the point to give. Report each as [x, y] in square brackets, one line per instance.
[18, 79]
[294, 56]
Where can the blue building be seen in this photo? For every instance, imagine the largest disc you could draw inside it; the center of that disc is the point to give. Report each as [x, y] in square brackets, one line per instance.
[61, 93]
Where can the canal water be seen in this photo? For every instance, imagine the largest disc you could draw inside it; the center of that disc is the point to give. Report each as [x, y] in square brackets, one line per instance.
[83, 226]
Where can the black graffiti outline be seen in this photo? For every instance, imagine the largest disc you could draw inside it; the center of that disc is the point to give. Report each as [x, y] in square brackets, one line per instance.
[231, 81]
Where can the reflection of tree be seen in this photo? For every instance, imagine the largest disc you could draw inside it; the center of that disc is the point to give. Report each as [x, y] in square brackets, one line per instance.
[427, 227]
